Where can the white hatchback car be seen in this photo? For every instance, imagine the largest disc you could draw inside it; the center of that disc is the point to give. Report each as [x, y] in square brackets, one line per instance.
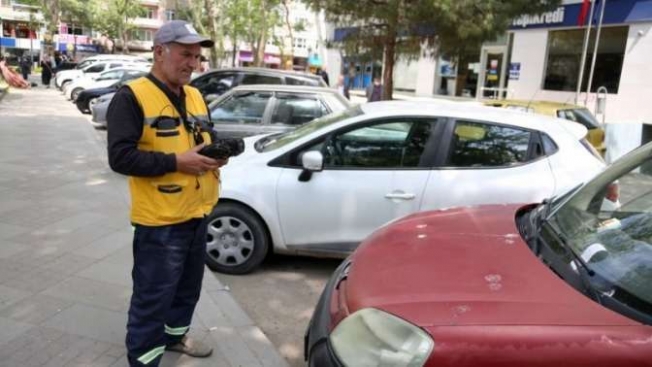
[102, 80]
[322, 188]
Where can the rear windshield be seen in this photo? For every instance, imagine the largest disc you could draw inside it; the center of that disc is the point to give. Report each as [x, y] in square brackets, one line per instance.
[580, 115]
[292, 80]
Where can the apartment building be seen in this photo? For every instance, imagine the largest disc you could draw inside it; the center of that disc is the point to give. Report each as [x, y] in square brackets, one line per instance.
[19, 29]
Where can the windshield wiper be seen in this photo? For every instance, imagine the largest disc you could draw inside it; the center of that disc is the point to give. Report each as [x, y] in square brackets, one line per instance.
[583, 269]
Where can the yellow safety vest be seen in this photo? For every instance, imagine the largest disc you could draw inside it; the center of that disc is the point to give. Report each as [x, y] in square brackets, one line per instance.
[174, 197]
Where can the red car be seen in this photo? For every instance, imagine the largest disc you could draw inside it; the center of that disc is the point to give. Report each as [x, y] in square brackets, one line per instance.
[563, 283]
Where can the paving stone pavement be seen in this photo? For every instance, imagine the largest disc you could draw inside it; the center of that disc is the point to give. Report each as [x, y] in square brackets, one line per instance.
[65, 251]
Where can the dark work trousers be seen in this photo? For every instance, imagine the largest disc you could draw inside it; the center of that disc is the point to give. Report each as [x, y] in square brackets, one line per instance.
[167, 276]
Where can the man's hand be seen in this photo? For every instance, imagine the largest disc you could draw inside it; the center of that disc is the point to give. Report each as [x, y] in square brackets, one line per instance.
[193, 163]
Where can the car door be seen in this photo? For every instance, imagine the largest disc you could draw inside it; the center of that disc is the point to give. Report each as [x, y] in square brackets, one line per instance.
[488, 163]
[240, 114]
[372, 173]
[290, 110]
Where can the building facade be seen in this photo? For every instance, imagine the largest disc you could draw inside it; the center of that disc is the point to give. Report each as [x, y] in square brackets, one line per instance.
[544, 58]
[20, 29]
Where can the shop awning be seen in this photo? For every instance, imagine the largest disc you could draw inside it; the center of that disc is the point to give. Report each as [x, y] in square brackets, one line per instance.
[641, 12]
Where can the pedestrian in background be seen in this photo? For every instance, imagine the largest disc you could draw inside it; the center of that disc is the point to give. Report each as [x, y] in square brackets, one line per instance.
[46, 70]
[342, 88]
[26, 67]
[375, 90]
[156, 126]
[324, 75]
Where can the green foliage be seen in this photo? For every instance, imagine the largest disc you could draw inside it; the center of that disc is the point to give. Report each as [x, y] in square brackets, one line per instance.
[251, 21]
[113, 18]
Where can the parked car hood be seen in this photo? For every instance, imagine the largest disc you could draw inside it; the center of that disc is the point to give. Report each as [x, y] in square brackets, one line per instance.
[98, 91]
[466, 266]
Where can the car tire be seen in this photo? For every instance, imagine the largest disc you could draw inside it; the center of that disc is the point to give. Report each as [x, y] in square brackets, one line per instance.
[236, 239]
[65, 84]
[75, 94]
[90, 104]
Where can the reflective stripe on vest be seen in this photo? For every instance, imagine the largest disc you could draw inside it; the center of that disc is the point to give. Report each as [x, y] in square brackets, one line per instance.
[174, 197]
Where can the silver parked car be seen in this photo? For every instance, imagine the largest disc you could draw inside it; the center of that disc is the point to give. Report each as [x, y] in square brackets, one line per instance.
[258, 109]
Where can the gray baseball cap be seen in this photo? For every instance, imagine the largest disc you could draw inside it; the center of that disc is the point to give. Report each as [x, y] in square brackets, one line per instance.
[180, 31]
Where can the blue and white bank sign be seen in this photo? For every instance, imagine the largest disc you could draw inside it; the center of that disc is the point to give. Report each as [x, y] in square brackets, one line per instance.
[514, 71]
[543, 19]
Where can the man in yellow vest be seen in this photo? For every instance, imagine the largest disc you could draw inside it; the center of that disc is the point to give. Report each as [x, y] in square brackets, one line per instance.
[156, 126]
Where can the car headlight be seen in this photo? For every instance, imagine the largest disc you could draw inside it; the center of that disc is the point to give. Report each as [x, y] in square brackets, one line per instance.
[371, 337]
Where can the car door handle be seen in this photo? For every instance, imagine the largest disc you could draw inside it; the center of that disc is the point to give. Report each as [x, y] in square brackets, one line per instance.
[400, 196]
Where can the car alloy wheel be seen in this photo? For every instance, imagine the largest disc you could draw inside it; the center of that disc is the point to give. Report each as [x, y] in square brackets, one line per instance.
[91, 103]
[75, 93]
[236, 239]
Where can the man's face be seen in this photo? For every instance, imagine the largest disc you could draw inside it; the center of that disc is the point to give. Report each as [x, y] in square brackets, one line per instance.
[178, 61]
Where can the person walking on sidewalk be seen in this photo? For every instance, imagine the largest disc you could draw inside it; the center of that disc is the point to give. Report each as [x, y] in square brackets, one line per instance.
[46, 71]
[26, 67]
[156, 126]
[375, 91]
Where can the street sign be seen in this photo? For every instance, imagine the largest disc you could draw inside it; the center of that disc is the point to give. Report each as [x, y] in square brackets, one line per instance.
[514, 71]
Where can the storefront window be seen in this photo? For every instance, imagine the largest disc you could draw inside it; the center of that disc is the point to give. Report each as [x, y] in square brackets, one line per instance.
[565, 55]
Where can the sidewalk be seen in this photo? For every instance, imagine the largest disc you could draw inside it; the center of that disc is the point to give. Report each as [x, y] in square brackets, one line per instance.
[65, 250]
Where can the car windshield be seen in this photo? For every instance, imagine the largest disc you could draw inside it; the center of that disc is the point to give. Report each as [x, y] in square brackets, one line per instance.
[275, 141]
[580, 115]
[608, 224]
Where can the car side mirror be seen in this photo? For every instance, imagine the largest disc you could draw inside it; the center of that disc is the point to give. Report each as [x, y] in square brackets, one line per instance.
[210, 97]
[312, 161]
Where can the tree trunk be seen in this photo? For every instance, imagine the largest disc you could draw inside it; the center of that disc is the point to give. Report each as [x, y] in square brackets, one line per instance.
[259, 54]
[211, 11]
[389, 56]
[289, 25]
[388, 67]
[235, 49]
[125, 47]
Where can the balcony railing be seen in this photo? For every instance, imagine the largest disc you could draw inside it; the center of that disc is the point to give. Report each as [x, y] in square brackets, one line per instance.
[147, 22]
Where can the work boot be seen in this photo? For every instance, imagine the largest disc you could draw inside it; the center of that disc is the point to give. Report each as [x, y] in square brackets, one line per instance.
[191, 347]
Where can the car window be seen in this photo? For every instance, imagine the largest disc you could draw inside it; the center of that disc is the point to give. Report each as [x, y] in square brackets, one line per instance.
[484, 145]
[132, 74]
[114, 74]
[261, 79]
[296, 109]
[276, 141]
[96, 68]
[84, 64]
[397, 144]
[608, 224]
[581, 115]
[291, 80]
[113, 66]
[216, 83]
[243, 107]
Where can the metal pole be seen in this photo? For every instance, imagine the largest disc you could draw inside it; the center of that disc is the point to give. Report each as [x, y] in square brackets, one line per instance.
[595, 54]
[587, 32]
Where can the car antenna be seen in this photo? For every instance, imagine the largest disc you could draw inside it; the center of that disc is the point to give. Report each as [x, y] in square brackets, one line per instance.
[531, 100]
